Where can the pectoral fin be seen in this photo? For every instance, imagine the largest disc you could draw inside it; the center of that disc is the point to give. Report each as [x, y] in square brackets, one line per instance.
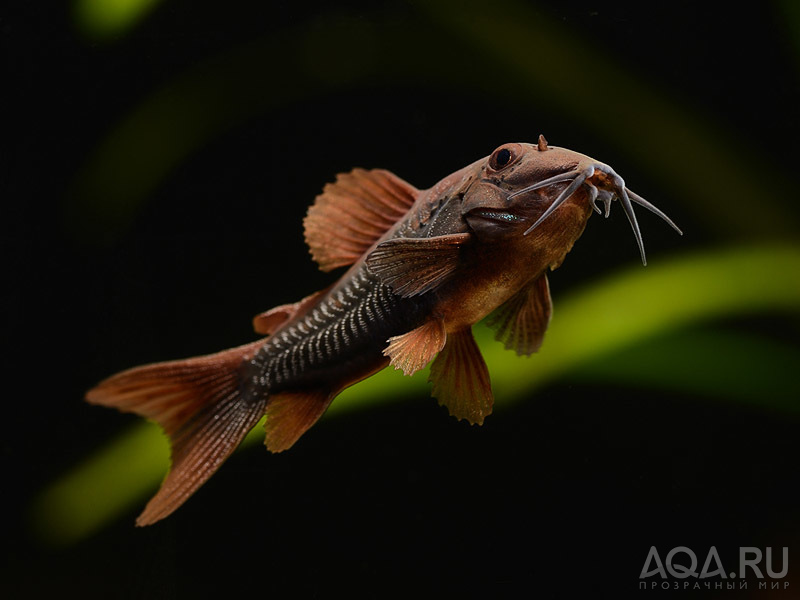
[415, 349]
[353, 213]
[413, 266]
[461, 380]
[522, 321]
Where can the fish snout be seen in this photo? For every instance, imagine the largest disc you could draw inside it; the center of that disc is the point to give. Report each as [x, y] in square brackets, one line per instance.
[604, 185]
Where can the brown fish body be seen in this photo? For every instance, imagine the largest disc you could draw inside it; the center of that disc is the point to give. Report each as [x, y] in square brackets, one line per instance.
[338, 341]
[424, 266]
[332, 343]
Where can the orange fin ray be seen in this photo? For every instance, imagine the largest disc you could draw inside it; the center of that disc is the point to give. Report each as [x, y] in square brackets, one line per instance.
[521, 322]
[270, 321]
[411, 351]
[198, 404]
[291, 414]
[352, 213]
[461, 380]
[414, 266]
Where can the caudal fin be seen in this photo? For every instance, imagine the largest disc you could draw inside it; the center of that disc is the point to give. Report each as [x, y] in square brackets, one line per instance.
[198, 403]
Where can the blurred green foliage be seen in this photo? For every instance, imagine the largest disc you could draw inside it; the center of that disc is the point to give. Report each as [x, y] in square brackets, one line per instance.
[546, 62]
[599, 332]
[110, 19]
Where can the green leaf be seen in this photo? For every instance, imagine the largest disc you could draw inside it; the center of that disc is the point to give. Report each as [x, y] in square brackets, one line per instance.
[600, 322]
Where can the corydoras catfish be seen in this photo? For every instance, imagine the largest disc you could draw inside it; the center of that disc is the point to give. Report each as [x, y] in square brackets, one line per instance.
[424, 266]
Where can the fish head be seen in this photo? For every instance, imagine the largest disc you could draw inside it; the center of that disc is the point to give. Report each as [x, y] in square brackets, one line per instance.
[534, 196]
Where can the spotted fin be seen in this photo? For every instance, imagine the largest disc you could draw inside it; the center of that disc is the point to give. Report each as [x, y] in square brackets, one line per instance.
[411, 351]
[413, 266]
[352, 213]
[461, 380]
[521, 322]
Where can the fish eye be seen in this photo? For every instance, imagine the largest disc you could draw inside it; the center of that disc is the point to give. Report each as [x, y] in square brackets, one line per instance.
[503, 156]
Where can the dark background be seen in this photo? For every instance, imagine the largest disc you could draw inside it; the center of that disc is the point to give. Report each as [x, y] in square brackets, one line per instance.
[558, 496]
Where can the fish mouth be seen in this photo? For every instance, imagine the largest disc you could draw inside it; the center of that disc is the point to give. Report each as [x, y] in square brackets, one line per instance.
[604, 185]
[496, 215]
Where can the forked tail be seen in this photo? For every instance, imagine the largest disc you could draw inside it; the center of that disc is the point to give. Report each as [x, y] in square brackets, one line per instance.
[199, 404]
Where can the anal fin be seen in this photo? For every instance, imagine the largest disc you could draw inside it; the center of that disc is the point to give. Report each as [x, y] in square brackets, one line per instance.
[290, 414]
[411, 351]
[461, 380]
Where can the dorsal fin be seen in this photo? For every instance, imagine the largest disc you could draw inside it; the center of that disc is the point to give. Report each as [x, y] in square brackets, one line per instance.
[352, 213]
